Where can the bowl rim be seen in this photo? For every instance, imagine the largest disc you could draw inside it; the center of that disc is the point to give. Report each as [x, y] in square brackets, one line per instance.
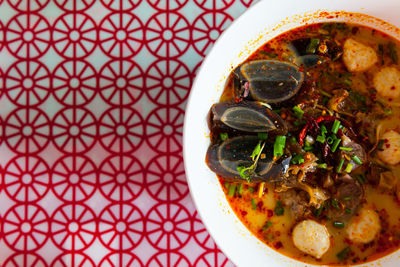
[238, 23]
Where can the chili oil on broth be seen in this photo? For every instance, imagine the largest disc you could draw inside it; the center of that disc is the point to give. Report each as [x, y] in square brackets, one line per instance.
[258, 213]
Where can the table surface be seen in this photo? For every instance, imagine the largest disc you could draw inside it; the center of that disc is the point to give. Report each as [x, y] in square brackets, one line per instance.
[92, 104]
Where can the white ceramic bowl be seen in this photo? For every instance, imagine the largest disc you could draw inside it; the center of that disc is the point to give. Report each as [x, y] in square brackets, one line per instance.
[255, 27]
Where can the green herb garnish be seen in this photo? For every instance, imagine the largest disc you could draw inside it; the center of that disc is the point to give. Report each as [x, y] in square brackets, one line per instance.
[298, 112]
[380, 144]
[393, 52]
[279, 210]
[223, 136]
[293, 140]
[317, 212]
[360, 178]
[356, 159]
[299, 123]
[232, 190]
[320, 139]
[322, 166]
[253, 204]
[266, 225]
[279, 145]
[262, 136]
[330, 140]
[339, 168]
[246, 172]
[349, 168]
[343, 254]
[313, 45]
[240, 189]
[298, 159]
[338, 224]
[335, 144]
[335, 204]
[335, 126]
[345, 148]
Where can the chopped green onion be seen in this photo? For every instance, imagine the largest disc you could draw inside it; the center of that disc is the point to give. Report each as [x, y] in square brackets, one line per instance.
[226, 184]
[318, 211]
[293, 140]
[267, 225]
[322, 166]
[312, 46]
[251, 190]
[323, 130]
[343, 254]
[262, 136]
[349, 168]
[299, 123]
[348, 211]
[393, 52]
[298, 112]
[335, 126]
[340, 26]
[244, 172]
[338, 224]
[348, 82]
[387, 111]
[240, 189]
[339, 168]
[277, 111]
[224, 136]
[279, 209]
[345, 148]
[347, 198]
[335, 204]
[360, 178]
[356, 159]
[380, 144]
[256, 152]
[279, 145]
[325, 100]
[329, 140]
[336, 144]
[232, 190]
[308, 148]
[324, 93]
[298, 159]
[321, 139]
[253, 203]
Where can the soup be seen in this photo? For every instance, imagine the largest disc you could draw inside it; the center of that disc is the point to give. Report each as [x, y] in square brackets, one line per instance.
[306, 143]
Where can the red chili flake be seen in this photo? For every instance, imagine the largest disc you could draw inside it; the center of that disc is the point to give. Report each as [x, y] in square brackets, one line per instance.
[393, 87]
[270, 213]
[365, 139]
[260, 204]
[387, 145]
[278, 245]
[348, 241]
[243, 212]
[386, 140]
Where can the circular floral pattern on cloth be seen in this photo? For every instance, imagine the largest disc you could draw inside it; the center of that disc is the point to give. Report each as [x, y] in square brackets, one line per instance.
[93, 96]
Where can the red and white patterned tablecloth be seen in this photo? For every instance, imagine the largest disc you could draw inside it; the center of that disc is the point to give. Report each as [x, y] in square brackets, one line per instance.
[92, 103]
